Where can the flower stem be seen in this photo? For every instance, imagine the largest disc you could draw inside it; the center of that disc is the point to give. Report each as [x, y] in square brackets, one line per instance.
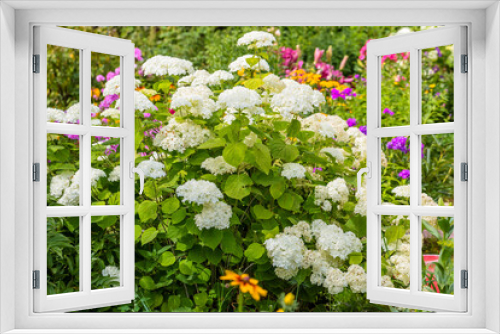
[241, 302]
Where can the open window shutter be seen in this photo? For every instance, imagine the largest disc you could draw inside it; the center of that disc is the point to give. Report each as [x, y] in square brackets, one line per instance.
[424, 291]
[74, 269]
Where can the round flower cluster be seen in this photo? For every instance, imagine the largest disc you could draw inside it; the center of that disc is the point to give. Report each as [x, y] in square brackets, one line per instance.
[335, 191]
[238, 98]
[331, 239]
[218, 166]
[111, 113]
[113, 86]
[241, 63]
[71, 116]
[199, 192]
[141, 101]
[337, 153]
[214, 215]
[286, 252]
[293, 171]
[152, 169]
[402, 191]
[257, 39]
[197, 78]
[296, 99]
[112, 272]
[193, 101]
[273, 84]
[178, 136]
[326, 126]
[218, 77]
[165, 65]
[68, 185]
[361, 205]
[114, 176]
[356, 278]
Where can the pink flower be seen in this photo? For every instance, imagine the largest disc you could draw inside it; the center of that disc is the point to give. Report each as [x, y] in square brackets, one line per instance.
[172, 111]
[362, 51]
[317, 55]
[147, 115]
[138, 54]
[105, 120]
[110, 75]
[117, 71]
[100, 78]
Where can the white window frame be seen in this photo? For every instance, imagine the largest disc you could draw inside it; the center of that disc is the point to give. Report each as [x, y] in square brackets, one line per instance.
[85, 43]
[484, 50]
[414, 44]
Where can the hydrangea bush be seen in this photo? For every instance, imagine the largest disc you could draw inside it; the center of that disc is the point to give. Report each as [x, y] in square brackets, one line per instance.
[250, 177]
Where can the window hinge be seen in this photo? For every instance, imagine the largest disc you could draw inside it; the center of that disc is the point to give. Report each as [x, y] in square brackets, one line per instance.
[36, 63]
[465, 279]
[36, 172]
[464, 173]
[36, 279]
[465, 64]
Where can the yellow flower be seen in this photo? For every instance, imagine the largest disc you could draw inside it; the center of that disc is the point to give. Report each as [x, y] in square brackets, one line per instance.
[245, 283]
[155, 97]
[289, 299]
[280, 310]
[241, 72]
[432, 85]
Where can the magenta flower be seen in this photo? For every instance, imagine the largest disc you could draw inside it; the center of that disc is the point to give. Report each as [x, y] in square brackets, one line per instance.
[393, 57]
[317, 55]
[105, 120]
[346, 92]
[147, 115]
[100, 78]
[138, 54]
[117, 71]
[108, 100]
[172, 111]
[351, 122]
[404, 174]
[111, 149]
[110, 75]
[73, 137]
[398, 143]
[388, 111]
[362, 128]
[362, 51]
[317, 168]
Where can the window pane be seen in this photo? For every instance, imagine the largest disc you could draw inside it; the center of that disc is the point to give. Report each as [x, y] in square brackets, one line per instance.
[395, 90]
[105, 173]
[63, 175]
[63, 262]
[105, 252]
[395, 266]
[437, 169]
[395, 170]
[63, 88]
[105, 89]
[437, 254]
[437, 84]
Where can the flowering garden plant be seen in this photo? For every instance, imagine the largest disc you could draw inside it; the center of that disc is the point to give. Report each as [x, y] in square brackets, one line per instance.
[250, 178]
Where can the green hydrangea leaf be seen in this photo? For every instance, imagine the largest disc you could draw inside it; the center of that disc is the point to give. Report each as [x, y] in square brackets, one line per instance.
[261, 212]
[237, 186]
[167, 259]
[254, 252]
[170, 205]
[234, 154]
[147, 210]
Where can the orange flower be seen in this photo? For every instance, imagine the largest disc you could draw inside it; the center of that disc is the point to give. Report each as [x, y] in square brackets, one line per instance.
[155, 98]
[96, 92]
[245, 283]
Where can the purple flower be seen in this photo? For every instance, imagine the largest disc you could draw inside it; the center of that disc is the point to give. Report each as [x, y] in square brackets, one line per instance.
[110, 75]
[351, 122]
[111, 149]
[108, 100]
[388, 111]
[147, 115]
[317, 168]
[346, 92]
[422, 150]
[100, 78]
[356, 76]
[440, 54]
[105, 120]
[362, 128]
[404, 174]
[117, 71]
[398, 143]
[138, 54]
[74, 137]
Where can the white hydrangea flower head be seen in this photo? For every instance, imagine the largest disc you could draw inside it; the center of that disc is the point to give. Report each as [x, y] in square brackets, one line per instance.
[273, 84]
[178, 136]
[331, 239]
[165, 65]
[250, 139]
[55, 115]
[95, 122]
[401, 269]
[218, 166]
[113, 86]
[197, 78]
[293, 170]
[356, 278]
[199, 192]
[360, 149]
[193, 101]
[354, 132]
[214, 215]
[59, 183]
[71, 195]
[335, 281]
[241, 63]
[231, 113]
[239, 98]
[338, 191]
[141, 101]
[218, 77]
[337, 153]
[73, 113]
[114, 176]
[297, 99]
[285, 251]
[326, 126]
[111, 113]
[386, 282]
[152, 169]
[112, 272]
[286, 274]
[257, 39]
[362, 199]
[95, 175]
[402, 191]
[301, 230]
